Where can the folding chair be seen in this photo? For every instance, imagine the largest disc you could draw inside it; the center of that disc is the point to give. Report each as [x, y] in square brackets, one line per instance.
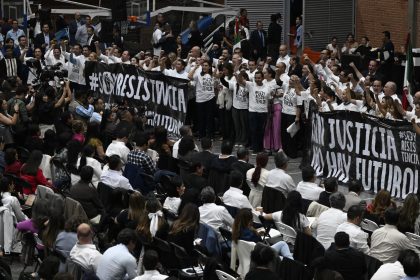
[286, 231]
[268, 225]
[368, 225]
[187, 269]
[224, 276]
[414, 239]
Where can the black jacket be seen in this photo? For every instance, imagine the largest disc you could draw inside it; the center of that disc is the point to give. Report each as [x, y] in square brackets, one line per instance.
[40, 40]
[243, 167]
[88, 197]
[205, 157]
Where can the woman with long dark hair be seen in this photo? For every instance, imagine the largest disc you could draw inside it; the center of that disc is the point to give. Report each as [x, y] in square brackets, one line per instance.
[409, 215]
[32, 174]
[175, 190]
[13, 165]
[184, 229]
[205, 97]
[86, 158]
[242, 229]
[291, 215]
[376, 210]
[153, 223]
[256, 179]
[6, 121]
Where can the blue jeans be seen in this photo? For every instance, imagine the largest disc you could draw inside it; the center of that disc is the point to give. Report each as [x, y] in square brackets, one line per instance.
[282, 249]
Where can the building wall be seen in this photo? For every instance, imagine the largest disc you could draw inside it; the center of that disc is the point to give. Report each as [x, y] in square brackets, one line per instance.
[374, 16]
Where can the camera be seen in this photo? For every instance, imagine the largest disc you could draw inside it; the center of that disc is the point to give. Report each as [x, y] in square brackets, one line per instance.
[48, 73]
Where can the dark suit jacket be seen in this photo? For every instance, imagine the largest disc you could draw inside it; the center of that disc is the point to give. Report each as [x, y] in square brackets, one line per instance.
[88, 197]
[40, 40]
[92, 43]
[205, 157]
[32, 24]
[243, 167]
[257, 43]
[348, 262]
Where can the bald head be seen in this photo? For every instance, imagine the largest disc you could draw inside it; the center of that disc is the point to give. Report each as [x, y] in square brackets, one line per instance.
[417, 97]
[283, 50]
[390, 88]
[84, 234]
[196, 52]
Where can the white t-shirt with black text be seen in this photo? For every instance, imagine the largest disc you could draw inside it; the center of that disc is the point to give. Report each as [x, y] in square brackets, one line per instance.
[204, 87]
[290, 102]
[258, 97]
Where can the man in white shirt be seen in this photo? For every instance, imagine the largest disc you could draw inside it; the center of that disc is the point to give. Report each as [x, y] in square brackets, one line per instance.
[390, 89]
[117, 262]
[353, 198]
[15, 33]
[118, 147]
[84, 252]
[388, 241]
[307, 188]
[184, 131]
[327, 223]
[75, 65]
[234, 195]
[284, 57]
[211, 214]
[358, 238]
[113, 176]
[346, 105]
[278, 178]
[391, 271]
[150, 263]
[157, 35]
[82, 34]
[252, 68]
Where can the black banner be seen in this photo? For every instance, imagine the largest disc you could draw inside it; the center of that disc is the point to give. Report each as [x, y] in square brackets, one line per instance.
[161, 97]
[382, 154]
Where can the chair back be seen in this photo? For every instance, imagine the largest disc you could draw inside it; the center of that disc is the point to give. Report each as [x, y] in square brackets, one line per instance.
[243, 251]
[232, 210]
[285, 230]
[182, 256]
[268, 225]
[138, 179]
[45, 166]
[74, 269]
[224, 276]
[305, 204]
[273, 200]
[73, 208]
[218, 180]
[114, 200]
[166, 254]
[414, 239]
[167, 162]
[210, 239]
[368, 225]
[42, 192]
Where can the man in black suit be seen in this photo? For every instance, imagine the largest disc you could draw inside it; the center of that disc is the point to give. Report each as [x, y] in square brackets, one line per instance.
[258, 42]
[92, 38]
[43, 40]
[242, 165]
[205, 156]
[340, 257]
[35, 25]
[73, 26]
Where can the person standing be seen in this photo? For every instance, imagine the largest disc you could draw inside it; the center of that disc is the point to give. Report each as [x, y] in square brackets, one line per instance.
[258, 42]
[274, 36]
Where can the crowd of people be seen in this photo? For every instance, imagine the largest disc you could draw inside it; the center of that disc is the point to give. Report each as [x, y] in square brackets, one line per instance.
[145, 206]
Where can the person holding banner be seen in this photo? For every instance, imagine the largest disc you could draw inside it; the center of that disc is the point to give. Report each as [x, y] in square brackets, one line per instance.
[205, 98]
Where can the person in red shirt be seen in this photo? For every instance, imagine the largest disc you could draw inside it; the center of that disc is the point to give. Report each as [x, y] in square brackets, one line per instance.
[13, 165]
[31, 173]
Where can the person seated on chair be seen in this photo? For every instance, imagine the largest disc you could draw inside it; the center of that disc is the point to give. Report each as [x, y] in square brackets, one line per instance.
[118, 146]
[291, 215]
[243, 230]
[152, 222]
[211, 214]
[392, 271]
[150, 263]
[223, 163]
[343, 259]
[358, 238]
[262, 257]
[206, 156]
[117, 261]
[31, 173]
[84, 253]
[307, 187]
[113, 176]
[7, 188]
[139, 156]
[175, 191]
[129, 218]
[183, 231]
[327, 223]
[243, 165]
[234, 196]
[353, 197]
[331, 186]
[388, 241]
[86, 194]
[277, 178]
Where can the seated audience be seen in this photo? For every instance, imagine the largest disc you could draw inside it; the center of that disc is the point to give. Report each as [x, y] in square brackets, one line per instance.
[113, 176]
[257, 179]
[152, 222]
[243, 165]
[327, 223]
[409, 214]
[358, 238]
[84, 253]
[31, 173]
[13, 165]
[7, 188]
[234, 196]
[391, 271]
[130, 218]
[331, 186]
[118, 147]
[139, 156]
[262, 257]
[150, 263]
[376, 210]
[387, 241]
[307, 187]
[278, 178]
[353, 197]
[174, 191]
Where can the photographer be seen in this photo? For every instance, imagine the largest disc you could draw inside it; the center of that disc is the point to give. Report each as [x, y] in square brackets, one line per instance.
[46, 105]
